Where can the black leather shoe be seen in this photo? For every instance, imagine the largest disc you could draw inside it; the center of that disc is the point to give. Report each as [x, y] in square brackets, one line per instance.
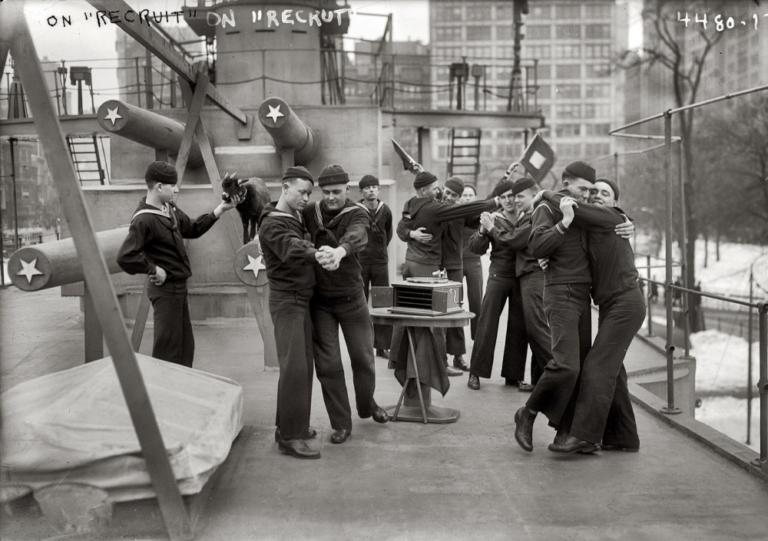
[340, 436]
[380, 416]
[311, 433]
[619, 447]
[298, 449]
[458, 362]
[524, 428]
[383, 353]
[473, 382]
[524, 387]
[560, 437]
[573, 445]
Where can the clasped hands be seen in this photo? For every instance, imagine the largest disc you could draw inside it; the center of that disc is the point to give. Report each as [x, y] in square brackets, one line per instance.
[330, 258]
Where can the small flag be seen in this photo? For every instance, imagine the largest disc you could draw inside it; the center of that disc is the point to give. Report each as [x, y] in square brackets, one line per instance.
[538, 158]
[409, 164]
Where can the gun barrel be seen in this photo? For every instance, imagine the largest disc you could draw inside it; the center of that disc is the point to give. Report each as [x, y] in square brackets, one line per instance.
[53, 264]
[147, 128]
[287, 129]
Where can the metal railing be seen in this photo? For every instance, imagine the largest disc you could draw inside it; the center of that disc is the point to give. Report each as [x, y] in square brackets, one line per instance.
[762, 307]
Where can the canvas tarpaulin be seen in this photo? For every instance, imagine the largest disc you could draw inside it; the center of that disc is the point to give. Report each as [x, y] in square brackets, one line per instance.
[74, 426]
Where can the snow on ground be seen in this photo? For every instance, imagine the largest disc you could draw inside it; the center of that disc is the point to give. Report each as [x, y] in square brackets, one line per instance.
[729, 276]
[721, 361]
[728, 415]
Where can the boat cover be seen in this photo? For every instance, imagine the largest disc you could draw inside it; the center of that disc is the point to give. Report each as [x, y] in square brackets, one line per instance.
[74, 426]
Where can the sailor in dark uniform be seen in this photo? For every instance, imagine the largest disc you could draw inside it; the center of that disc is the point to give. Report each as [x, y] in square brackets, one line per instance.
[374, 260]
[338, 302]
[155, 246]
[289, 257]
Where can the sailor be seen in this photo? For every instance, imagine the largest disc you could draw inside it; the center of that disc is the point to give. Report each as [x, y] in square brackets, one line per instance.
[338, 301]
[502, 286]
[290, 258]
[453, 264]
[421, 226]
[155, 246]
[603, 410]
[471, 266]
[566, 304]
[374, 260]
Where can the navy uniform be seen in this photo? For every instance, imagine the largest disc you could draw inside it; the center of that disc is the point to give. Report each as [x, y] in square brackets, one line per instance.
[374, 260]
[503, 286]
[603, 410]
[156, 239]
[472, 272]
[338, 301]
[567, 306]
[290, 258]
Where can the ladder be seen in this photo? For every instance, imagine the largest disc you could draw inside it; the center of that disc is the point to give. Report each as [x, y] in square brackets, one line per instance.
[464, 153]
[86, 158]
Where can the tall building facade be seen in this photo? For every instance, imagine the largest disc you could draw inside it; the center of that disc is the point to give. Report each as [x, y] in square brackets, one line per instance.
[573, 45]
[404, 63]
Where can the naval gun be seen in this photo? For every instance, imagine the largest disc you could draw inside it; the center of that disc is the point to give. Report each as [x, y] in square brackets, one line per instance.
[147, 128]
[287, 129]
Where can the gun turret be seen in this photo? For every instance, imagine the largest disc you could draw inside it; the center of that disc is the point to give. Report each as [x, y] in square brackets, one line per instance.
[287, 129]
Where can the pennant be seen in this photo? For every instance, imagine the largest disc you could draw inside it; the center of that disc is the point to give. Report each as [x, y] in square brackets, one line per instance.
[538, 158]
[409, 164]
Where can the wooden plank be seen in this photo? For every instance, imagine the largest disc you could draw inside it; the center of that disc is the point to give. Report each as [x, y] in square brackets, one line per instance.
[93, 335]
[156, 44]
[193, 118]
[97, 276]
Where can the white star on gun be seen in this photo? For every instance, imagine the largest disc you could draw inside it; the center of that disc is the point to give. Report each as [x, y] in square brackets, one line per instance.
[29, 270]
[274, 113]
[255, 265]
[112, 115]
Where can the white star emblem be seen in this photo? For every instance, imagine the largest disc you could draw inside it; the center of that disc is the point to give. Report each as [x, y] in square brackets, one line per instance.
[29, 270]
[112, 115]
[274, 113]
[255, 265]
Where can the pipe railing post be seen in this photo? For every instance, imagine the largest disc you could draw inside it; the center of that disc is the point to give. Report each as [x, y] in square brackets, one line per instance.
[749, 358]
[686, 300]
[650, 287]
[668, 292]
[762, 386]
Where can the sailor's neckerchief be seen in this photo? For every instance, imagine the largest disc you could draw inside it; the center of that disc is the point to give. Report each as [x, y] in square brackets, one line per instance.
[335, 220]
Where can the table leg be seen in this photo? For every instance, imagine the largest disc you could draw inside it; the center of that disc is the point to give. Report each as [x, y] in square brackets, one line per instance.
[412, 359]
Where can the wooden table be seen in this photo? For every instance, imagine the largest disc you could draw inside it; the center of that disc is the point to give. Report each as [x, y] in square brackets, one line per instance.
[420, 410]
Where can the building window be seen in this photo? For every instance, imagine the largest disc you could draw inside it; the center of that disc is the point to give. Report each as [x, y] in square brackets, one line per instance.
[567, 51]
[478, 12]
[597, 110]
[597, 11]
[449, 33]
[568, 11]
[597, 51]
[478, 33]
[447, 13]
[567, 92]
[544, 71]
[598, 70]
[568, 71]
[568, 110]
[504, 11]
[595, 150]
[544, 92]
[479, 52]
[540, 12]
[537, 31]
[598, 91]
[569, 150]
[505, 33]
[568, 130]
[598, 129]
[568, 31]
[598, 31]
[537, 51]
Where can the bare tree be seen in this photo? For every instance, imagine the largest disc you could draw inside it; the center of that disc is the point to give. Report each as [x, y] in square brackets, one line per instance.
[686, 67]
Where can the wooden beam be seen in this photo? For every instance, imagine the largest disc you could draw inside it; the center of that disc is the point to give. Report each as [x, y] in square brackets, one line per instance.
[96, 275]
[193, 119]
[156, 44]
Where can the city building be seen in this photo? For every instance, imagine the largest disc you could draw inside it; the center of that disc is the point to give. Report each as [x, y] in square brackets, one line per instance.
[572, 46]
